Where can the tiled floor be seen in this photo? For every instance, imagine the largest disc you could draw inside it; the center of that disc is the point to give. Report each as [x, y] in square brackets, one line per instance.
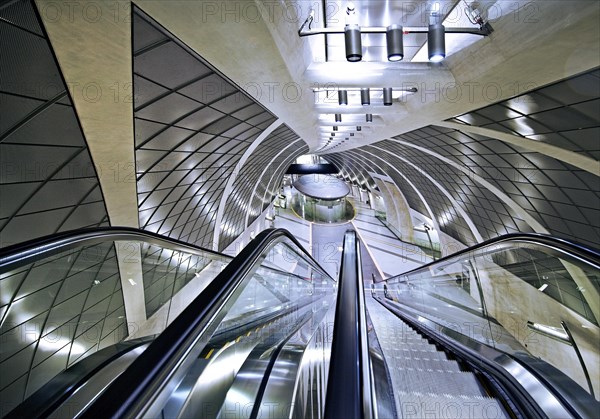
[383, 254]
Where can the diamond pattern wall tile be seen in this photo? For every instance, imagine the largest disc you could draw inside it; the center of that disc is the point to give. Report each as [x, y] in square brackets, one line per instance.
[47, 175]
[192, 126]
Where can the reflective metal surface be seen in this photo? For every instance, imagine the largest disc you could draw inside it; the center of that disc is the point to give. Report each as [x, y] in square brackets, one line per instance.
[322, 187]
[493, 295]
[63, 299]
[92, 388]
[280, 298]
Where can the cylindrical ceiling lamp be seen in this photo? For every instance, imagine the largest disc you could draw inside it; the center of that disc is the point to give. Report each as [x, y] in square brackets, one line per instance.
[343, 97]
[365, 96]
[436, 42]
[338, 117]
[359, 128]
[369, 117]
[395, 42]
[387, 96]
[335, 128]
[353, 43]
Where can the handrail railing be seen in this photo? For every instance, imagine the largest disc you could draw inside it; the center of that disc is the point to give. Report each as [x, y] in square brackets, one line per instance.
[51, 395]
[523, 388]
[23, 253]
[579, 357]
[349, 384]
[494, 281]
[134, 389]
[575, 249]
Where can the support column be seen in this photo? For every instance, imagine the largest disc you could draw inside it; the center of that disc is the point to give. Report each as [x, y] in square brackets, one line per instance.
[403, 218]
[92, 43]
[129, 258]
[390, 206]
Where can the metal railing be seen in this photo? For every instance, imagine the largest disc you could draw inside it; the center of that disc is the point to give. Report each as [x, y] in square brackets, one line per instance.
[349, 390]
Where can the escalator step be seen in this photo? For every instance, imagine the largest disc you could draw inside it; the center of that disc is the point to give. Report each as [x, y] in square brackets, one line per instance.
[424, 380]
[432, 405]
[404, 346]
[420, 354]
[427, 364]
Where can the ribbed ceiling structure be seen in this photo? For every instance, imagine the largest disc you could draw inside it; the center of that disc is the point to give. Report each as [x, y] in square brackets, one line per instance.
[209, 157]
[212, 105]
[196, 132]
[477, 186]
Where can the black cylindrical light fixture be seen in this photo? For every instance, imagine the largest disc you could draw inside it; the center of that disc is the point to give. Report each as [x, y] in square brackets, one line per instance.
[365, 96]
[395, 42]
[338, 117]
[359, 128]
[351, 134]
[353, 43]
[436, 42]
[387, 96]
[369, 117]
[335, 128]
[343, 97]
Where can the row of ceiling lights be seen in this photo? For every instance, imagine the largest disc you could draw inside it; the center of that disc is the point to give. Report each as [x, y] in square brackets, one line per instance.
[338, 118]
[368, 118]
[394, 35]
[365, 96]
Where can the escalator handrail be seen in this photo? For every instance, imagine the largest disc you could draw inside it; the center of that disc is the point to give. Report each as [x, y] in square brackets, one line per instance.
[349, 388]
[133, 389]
[33, 250]
[588, 254]
[55, 392]
[514, 371]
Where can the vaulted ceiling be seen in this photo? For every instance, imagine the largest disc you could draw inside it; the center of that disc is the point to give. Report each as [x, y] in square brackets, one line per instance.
[154, 96]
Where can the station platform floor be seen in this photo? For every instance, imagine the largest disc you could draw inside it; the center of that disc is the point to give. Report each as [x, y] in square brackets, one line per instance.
[384, 255]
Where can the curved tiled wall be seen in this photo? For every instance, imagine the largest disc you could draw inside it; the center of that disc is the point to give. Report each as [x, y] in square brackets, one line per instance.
[192, 127]
[48, 183]
[266, 164]
[478, 185]
[56, 312]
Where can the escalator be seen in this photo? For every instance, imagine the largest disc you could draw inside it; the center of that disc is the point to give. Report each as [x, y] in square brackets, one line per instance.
[427, 382]
[77, 308]
[517, 315]
[272, 335]
[268, 311]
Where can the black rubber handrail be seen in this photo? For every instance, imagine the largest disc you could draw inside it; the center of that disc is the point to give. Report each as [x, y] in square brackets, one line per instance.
[348, 387]
[569, 396]
[578, 250]
[573, 398]
[14, 256]
[55, 392]
[132, 390]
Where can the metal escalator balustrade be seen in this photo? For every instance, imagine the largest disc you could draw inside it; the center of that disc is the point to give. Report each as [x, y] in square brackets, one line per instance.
[67, 296]
[533, 300]
[350, 392]
[255, 342]
[65, 395]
